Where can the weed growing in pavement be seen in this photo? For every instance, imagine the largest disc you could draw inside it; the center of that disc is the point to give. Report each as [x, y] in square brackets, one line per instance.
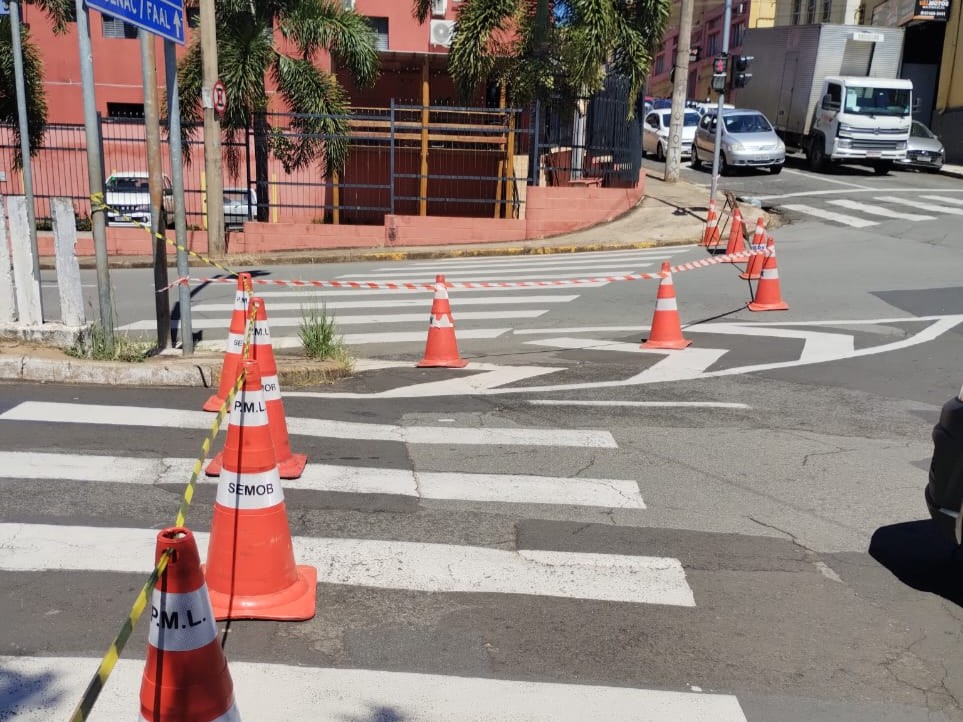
[97, 346]
[319, 335]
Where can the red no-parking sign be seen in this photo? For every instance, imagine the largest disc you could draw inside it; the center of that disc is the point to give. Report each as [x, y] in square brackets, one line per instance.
[219, 97]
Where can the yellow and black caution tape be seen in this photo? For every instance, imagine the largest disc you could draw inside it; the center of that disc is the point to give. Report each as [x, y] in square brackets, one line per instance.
[98, 202]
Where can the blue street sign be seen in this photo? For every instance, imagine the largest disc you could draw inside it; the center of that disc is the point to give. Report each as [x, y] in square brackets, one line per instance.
[160, 17]
[4, 8]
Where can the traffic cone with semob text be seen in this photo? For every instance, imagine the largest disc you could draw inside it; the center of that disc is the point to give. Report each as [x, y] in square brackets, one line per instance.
[666, 331]
[235, 343]
[251, 572]
[186, 678]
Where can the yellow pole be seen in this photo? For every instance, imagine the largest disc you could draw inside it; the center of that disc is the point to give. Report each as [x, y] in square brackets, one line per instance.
[425, 99]
[274, 198]
[335, 198]
[498, 190]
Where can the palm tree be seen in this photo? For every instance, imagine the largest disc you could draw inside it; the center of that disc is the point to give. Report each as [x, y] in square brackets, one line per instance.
[59, 12]
[549, 48]
[247, 55]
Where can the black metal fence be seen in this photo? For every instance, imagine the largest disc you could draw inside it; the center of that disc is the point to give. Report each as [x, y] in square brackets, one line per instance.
[403, 159]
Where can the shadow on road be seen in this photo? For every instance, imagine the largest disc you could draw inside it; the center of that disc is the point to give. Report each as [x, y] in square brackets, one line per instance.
[379, 714]
[22, 693]
[920, 558]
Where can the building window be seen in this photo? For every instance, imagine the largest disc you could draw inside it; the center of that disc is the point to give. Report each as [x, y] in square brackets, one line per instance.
[713, 44]
[737, 32]
[125, 110]
[811, 12]
[796, 12]
[659, 64]
[827, 10]
[380, 27]
[114, 28]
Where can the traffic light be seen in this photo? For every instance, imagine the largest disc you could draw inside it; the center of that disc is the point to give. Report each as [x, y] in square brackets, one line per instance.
[740, 74]
[719, 64]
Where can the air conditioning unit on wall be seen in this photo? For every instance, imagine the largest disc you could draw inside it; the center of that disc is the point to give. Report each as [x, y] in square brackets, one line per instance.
[441, 32]
[438, 8]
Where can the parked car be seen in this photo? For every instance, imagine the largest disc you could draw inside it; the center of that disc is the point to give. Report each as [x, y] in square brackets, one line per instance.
[748, 140]
[128, 199]
[924, 149]
[703, 108]
[655, 132]
[240, 205]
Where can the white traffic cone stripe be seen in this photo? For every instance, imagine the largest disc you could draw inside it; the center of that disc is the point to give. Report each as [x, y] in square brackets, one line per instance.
[258, 490]
[262, 334]
[443, 321]
[249, 409]
[666, 304]
[441, 291]
[181, 622]
[272, 389]
[235, 342]
[240, 301]
[770, 274]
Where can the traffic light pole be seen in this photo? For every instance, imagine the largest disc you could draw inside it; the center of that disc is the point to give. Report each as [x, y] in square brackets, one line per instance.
[726, 22]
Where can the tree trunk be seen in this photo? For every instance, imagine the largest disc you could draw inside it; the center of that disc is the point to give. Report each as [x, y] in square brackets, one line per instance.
[261, 174]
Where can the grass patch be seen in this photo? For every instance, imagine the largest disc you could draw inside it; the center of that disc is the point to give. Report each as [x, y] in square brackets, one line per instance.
[319, 335]
[97, 346]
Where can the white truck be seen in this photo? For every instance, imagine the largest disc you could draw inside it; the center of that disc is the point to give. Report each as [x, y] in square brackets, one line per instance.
[832, 91]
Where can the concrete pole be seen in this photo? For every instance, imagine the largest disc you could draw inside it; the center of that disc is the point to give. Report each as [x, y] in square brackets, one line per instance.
[95, 172]
[184, 329]
[25, 283]
[726, 22]
[673, 154]
[8, 300]
[155, 172]
[212, 131]
[21, 91]
[68, 268]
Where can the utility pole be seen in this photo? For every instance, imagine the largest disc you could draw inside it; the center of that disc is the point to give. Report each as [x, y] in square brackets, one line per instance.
[726, 21]
[185, 330]
[21, 91]
[95, 172]
[673, 155]
[155, 173]
[212, 131]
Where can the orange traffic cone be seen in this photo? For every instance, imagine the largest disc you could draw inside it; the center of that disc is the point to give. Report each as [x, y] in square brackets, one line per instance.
[754, 265]
[235, 343]
[250, 569]
[290, 466]
[711, 235]
[441, 348]
[768, 294]
[666, 331]
[737, 241]
[186, 676]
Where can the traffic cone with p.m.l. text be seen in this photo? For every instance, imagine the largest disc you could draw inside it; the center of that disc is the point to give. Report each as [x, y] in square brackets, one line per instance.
[186, 678]
[710, 236]
[754, 265]
[290, 465]
[768, 293]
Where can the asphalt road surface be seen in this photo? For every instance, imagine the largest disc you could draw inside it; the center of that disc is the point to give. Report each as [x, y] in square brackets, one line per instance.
[571, 527]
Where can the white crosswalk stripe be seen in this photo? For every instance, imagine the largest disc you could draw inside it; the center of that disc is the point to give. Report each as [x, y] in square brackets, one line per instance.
[827, 215]
[942, 208]
[318, 694]
[944, 199]
[875, 210]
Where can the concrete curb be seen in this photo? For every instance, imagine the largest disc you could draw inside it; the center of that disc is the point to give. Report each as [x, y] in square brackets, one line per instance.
[204, 373]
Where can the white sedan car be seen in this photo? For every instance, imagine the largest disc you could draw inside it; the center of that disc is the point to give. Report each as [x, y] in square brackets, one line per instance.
[655, 132]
